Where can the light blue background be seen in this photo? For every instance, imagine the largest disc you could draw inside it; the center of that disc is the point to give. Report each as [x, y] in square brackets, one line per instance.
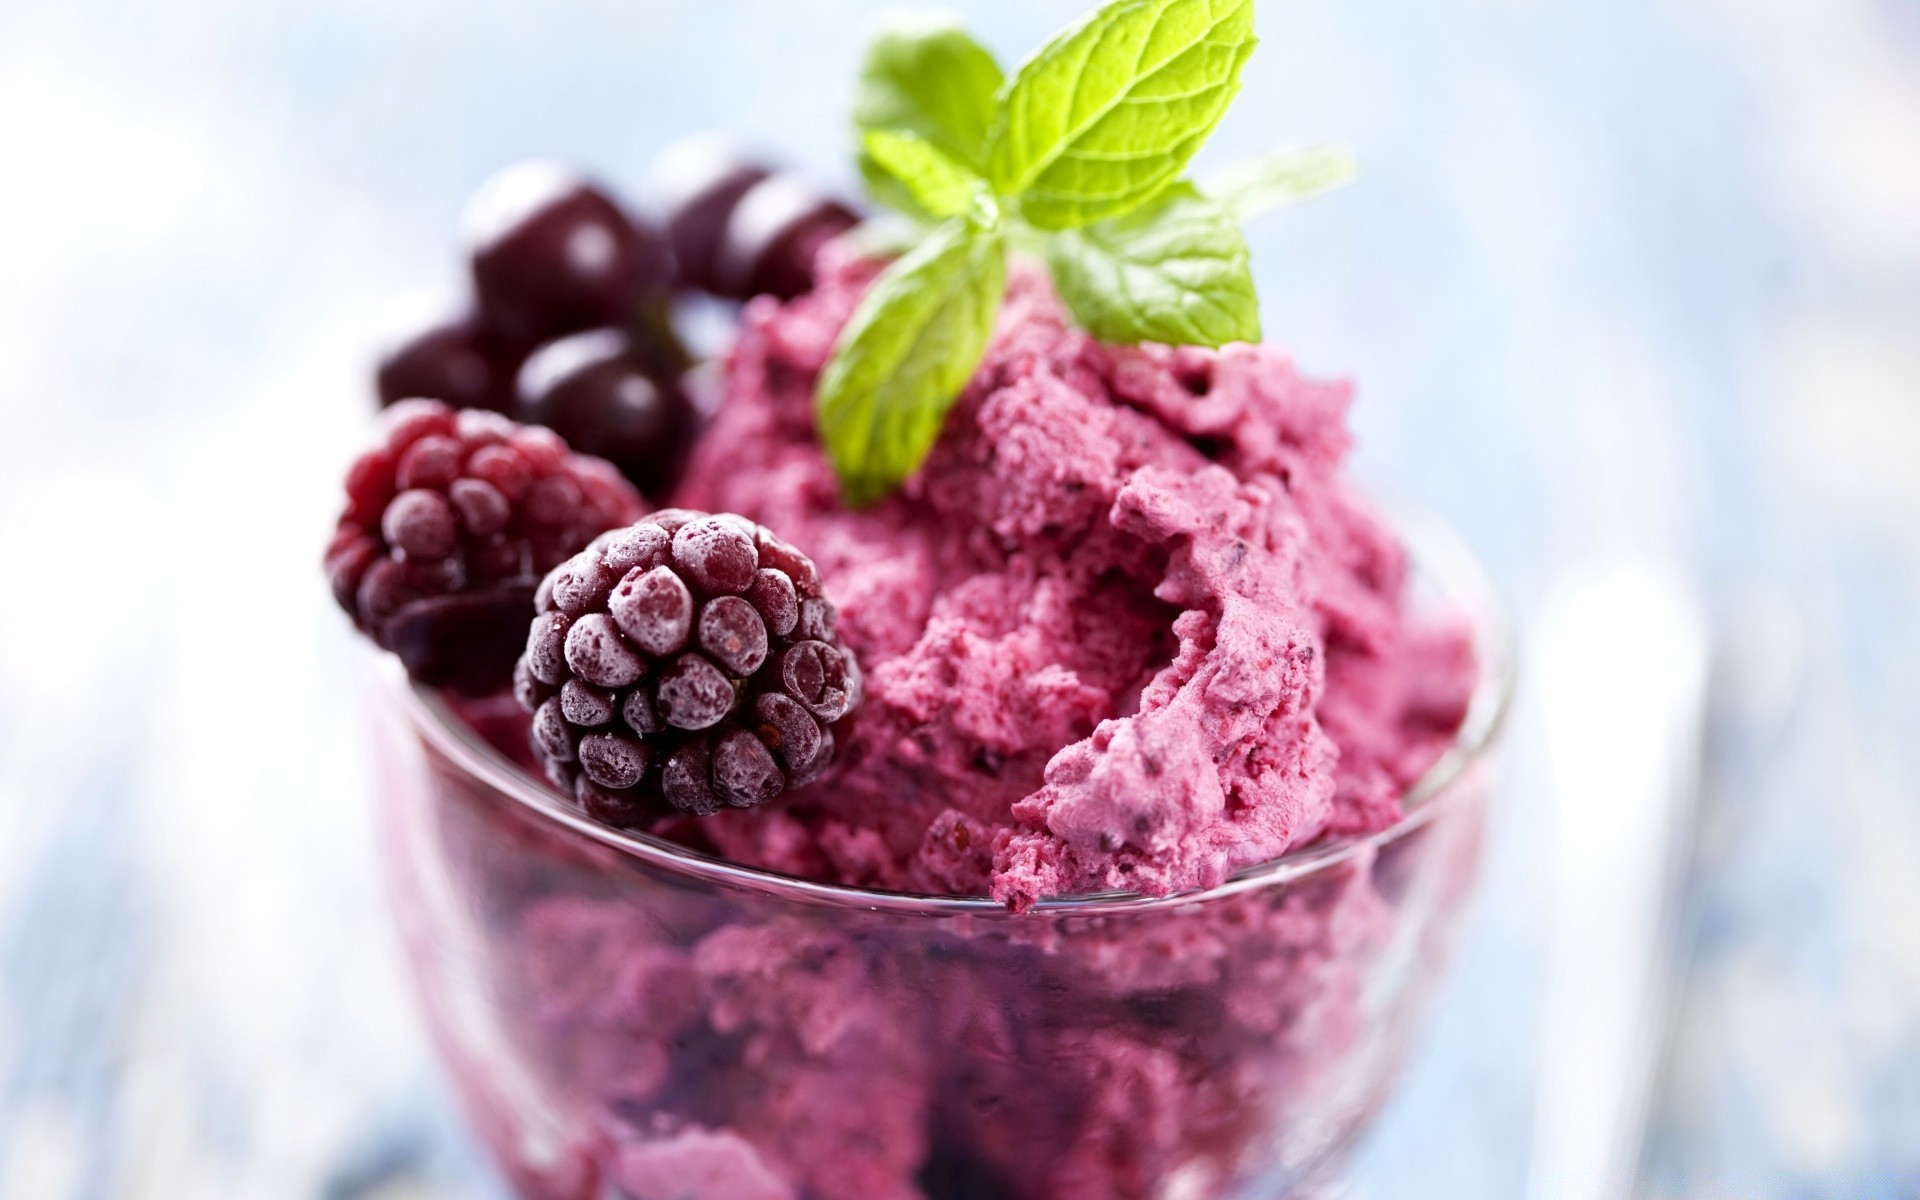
[1642, 273]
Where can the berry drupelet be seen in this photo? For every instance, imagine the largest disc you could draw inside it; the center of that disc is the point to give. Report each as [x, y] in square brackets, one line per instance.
[690, 663]
[450, 522]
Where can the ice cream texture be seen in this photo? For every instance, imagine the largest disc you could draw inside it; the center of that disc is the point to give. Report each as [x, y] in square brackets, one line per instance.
[1129, 627]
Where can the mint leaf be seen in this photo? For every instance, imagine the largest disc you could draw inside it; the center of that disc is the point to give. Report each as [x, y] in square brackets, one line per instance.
[903, 358]
[1268, 181]
[925, 75]
[939, 186]
[1112, 109]
[1176, 271]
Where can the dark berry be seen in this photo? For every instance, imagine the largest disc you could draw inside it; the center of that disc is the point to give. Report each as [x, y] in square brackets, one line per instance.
[552, 736]
[686, 778]
[586, 705]
[743, 769]
[593, 390]
[654, 609]
[690, 659]
[772, 236]
[449, 524]
[803, 746]
[819, 677]
[693, 693]
[553, 254]
[773, 596]
[597, 653]
[698, 183]
[716, 555]
[619, 809]
[461, 638]
[460, 363]
[613, 760]
[733, 635]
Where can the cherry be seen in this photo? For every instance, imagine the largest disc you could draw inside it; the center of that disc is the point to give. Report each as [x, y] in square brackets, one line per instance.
[593, 390]
[697, 183]
[771, 238]
[552, 254]
[457, 362]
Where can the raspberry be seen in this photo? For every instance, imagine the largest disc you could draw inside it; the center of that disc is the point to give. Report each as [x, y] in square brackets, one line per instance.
[553, 254]
[449, 525]
[689, 662]
[595, 390]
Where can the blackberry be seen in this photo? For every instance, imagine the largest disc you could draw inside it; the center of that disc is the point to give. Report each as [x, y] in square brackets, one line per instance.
[552, 255]
[449, 524]
[461, 362]
[689, 662]
[596, 390]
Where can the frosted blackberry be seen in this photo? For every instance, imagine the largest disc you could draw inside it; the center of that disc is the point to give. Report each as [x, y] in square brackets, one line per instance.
[450, 523]
[688, 662]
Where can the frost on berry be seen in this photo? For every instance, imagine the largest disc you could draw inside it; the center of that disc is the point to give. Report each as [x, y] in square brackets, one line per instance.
[420, 524]
[654, 608]
[707, 676]
[715, 555]
[816, 675]
[743, 769]
[684, 779]
[596, 653]
[586, 705]
[774, 597]
[693, 693]
[733, 635]
[613, 760]
[447, 525]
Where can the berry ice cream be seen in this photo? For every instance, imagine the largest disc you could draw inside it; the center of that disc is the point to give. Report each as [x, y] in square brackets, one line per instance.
[1129, 627]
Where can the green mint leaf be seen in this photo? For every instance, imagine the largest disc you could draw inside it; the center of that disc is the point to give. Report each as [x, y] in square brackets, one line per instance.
[939, 186]
[925, 75]
[1176, 271]
[1109, 112]
[903, 358]
[1268, 181]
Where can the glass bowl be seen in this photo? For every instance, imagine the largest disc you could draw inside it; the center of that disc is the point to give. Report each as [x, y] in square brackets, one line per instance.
[623, 1017]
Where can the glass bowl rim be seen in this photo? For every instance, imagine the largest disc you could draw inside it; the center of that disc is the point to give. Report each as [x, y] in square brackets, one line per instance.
[1433, 549]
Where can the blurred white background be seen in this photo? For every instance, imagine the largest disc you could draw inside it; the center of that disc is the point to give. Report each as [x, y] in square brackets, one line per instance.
[1643, 274]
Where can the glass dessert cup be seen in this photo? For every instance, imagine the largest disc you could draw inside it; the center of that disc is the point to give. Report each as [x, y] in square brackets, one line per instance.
[624, 1017]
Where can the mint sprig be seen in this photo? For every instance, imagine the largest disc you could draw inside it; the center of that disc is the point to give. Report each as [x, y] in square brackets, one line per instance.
[1112, 109]
[905, 354]
[1080, 154]
[1176, 271]
[938, 186]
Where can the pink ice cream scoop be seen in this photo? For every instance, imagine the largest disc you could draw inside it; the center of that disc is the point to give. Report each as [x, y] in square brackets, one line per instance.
[1129, 627]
